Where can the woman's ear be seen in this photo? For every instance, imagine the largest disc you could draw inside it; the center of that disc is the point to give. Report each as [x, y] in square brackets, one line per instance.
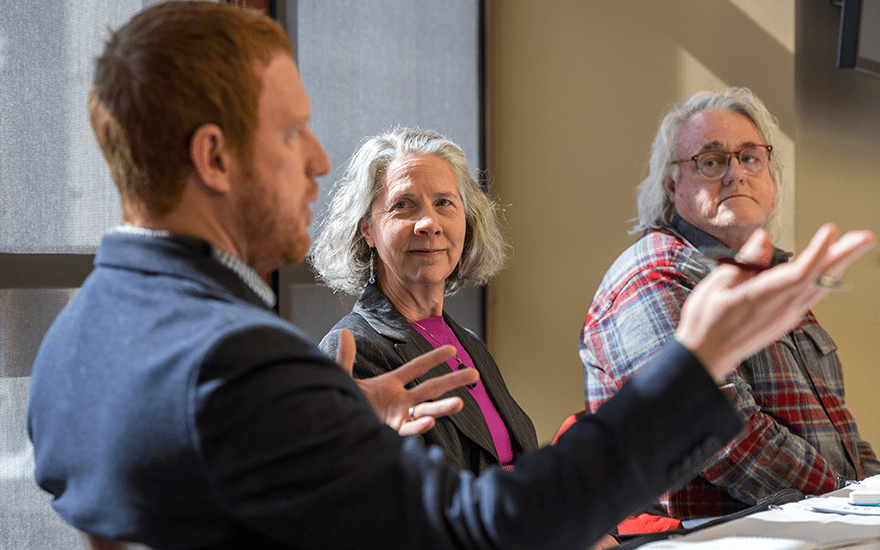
[364, 227]
[211, 158]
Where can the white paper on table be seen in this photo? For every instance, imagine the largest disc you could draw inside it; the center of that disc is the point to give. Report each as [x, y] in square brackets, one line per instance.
[732, 543]
[841, 505]
[792, 526]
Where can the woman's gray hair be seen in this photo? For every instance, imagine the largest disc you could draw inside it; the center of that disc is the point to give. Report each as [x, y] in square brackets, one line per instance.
[655, 208]
[340, 254]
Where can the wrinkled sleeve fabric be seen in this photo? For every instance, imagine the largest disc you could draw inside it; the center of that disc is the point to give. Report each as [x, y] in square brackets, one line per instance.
[768, 456]
[293, 451]
[627, 325]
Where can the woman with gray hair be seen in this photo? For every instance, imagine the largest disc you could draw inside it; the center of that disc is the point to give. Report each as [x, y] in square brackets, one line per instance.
[406, 226]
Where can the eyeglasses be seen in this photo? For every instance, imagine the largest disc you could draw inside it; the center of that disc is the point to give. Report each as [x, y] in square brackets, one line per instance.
[712, 165]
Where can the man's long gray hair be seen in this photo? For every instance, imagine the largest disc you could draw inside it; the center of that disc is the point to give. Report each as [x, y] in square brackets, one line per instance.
[655, 208]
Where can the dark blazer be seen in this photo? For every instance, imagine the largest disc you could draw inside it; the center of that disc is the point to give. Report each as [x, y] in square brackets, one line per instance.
[385, 340]
[170, 406]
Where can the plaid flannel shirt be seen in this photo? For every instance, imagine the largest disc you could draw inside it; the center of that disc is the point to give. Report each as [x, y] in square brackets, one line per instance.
[790, 395]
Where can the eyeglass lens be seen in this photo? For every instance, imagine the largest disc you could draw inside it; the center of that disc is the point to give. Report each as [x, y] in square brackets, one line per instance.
[714, 164]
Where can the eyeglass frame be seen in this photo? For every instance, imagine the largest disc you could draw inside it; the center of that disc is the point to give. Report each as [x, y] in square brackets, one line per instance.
[730, 155]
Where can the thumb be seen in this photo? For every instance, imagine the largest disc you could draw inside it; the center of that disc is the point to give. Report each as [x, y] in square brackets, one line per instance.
[758, 249]
[346, 351]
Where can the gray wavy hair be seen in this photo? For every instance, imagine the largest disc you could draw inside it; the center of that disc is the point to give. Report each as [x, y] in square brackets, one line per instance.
[655, 208]
[341, 256]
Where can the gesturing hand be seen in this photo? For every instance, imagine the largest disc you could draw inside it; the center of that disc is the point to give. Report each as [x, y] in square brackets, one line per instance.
[734, 312]
[409, 411]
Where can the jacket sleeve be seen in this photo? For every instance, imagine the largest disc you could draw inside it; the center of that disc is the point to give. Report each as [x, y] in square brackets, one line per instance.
[293, 451]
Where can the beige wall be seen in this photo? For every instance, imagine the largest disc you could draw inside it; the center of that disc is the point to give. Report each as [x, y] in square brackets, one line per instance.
[838, 179]
[575, 92]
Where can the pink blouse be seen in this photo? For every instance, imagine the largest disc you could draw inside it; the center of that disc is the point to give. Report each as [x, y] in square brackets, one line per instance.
[439, 334]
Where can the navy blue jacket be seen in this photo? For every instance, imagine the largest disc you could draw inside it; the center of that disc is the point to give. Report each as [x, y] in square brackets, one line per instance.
[170, 407]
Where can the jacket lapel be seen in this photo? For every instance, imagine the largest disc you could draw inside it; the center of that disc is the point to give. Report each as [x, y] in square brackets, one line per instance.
[519, 426]
[470, 419]
[381, 314]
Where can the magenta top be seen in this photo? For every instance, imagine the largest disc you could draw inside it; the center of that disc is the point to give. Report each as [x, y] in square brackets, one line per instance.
[439, 334]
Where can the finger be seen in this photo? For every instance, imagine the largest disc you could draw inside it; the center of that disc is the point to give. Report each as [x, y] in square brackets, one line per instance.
[758, 248]
[828, 256]
[411, 370]
[848, 249]
[812, 258]
[345, 353]
[435, 387]
[417, 426]
[436, 409]
[795, 281]
[799, 291]
[825, 255]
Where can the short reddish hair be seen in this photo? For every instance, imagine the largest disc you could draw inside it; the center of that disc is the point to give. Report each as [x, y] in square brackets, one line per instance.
[171, 69]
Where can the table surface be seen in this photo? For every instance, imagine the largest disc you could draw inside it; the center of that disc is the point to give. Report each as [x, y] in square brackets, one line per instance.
[792, 526]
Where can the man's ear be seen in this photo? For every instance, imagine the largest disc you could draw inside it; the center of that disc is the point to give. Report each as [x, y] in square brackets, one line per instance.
[364, 227]
[669, 187]
[211, 157]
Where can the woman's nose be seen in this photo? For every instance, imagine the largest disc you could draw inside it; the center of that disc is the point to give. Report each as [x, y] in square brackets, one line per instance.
[427, 223]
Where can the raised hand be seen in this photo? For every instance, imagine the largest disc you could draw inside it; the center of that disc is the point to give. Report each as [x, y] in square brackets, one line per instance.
[734, 312]
[409, 411]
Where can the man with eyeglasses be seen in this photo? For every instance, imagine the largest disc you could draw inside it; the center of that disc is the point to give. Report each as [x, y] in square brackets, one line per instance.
[713, 180]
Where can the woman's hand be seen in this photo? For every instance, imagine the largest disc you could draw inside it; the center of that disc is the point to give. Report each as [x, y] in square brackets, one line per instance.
[409, 411]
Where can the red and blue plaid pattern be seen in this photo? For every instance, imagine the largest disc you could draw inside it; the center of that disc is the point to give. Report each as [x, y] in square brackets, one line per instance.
[790, 395]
